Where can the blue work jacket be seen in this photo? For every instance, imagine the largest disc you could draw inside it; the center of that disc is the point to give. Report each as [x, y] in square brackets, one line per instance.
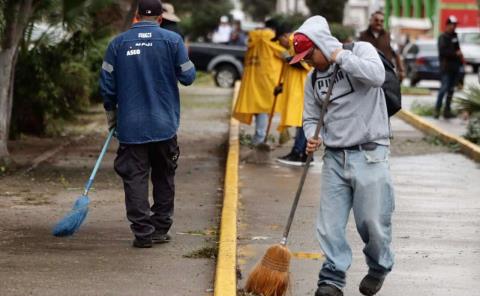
[139, 78]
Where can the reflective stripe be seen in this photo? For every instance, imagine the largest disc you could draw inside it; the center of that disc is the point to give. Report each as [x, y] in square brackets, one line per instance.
[187, 66]
[107, 67]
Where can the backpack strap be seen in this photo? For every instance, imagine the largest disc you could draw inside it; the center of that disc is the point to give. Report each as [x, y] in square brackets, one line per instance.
[313, 78]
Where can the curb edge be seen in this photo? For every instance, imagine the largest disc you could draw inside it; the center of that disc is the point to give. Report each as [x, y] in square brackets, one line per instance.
[468, 148]
[225, 275]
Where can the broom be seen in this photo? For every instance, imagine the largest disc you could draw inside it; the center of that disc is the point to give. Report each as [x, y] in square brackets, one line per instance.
[270, 277]
[72, 221]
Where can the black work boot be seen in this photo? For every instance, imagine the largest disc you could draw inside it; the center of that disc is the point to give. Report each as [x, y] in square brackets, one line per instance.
[328, 290]
[436, 113]
[370, 285]
[142, 242]
[447, 112]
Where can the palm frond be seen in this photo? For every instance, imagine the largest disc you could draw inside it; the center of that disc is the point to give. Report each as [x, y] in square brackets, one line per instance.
[471, 102]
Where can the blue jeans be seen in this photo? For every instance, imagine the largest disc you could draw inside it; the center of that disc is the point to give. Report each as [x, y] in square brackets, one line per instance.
[300, 144]
[359, 180]
[448, 81]
[261, 122]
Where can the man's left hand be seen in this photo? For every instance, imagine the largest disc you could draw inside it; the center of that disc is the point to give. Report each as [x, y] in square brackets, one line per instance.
[335, 53]
[111, 119]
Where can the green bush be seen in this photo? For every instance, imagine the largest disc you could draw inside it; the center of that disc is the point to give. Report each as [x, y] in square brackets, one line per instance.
[473, 128]
[471, 102]
[204, 16]
[331, 10]
[342, 33]
[471, 105]
[53, 82]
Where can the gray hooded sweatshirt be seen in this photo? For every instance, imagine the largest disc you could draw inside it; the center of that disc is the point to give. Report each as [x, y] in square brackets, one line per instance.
[357, 112]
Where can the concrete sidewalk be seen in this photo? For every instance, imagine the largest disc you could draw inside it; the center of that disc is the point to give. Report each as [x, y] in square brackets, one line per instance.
[436, 224]
[456, 126]
[99, 259]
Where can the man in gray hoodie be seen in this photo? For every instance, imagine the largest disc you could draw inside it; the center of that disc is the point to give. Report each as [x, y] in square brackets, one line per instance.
[355, 172]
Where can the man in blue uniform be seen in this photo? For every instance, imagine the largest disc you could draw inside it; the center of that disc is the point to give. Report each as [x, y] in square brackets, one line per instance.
[138, 83]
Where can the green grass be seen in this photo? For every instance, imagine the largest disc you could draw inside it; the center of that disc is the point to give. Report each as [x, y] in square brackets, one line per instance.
[204, 79]
[436, 141]
[419, 91]
[198, 103]
[423, 109]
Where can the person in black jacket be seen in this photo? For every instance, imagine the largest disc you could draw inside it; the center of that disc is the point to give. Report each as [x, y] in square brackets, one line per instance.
[170, 20]
[451, 61]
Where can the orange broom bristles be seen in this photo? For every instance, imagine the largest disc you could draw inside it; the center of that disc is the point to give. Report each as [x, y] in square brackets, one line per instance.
[271, 277]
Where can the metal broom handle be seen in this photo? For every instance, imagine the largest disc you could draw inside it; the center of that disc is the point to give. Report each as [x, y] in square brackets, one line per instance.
[310, 155]
[89, 183]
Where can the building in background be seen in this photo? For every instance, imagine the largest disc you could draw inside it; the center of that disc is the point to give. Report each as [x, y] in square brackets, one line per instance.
[357, 13]
[436, 11]
[292, 6]
[412, 19]
[237, 12]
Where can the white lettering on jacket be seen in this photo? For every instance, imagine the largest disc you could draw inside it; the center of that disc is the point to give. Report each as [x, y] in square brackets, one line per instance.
[144, 44]
[144, 35]
[133, 52]
[343, 86]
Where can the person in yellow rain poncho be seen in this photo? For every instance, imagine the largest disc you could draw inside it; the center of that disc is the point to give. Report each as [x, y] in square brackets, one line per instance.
[263, 66]
[291, 101]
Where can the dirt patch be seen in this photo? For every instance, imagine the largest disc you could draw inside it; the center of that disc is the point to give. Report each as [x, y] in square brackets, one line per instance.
[401, 146]
[204, 252]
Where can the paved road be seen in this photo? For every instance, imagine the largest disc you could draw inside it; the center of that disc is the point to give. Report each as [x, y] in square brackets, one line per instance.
[436, 233]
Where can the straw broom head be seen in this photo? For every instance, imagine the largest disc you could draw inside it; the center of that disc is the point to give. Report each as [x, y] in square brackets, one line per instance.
[271, 277]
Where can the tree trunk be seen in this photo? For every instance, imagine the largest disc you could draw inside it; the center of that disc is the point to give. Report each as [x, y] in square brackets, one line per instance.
[131, 13]
[6, 87]
[18, 13]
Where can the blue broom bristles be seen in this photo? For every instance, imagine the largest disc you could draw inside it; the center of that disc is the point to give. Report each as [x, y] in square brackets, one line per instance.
[72, 221]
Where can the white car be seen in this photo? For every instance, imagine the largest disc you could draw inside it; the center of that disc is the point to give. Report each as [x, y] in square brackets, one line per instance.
[469, 39]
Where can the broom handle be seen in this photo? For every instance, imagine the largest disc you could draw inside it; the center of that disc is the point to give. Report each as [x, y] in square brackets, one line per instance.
[89, 183]
[310, 155]
[282, 72]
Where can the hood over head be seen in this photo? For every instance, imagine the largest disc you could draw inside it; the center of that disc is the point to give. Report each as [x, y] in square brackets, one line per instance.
[317, 30]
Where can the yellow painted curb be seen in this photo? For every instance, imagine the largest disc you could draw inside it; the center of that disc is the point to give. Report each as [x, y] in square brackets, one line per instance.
[468, 148]
[226, 276]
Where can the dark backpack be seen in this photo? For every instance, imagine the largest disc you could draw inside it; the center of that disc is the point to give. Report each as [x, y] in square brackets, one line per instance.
[391, 85]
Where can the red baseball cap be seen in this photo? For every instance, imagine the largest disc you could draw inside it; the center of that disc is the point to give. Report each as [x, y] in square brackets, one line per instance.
[302, 45]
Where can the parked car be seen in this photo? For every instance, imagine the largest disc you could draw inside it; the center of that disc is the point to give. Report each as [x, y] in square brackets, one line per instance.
[469, 39]
[422, 62]
[225, 62]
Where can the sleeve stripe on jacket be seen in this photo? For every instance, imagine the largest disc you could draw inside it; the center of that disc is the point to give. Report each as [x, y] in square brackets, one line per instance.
[107, 67]
[187, 66]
